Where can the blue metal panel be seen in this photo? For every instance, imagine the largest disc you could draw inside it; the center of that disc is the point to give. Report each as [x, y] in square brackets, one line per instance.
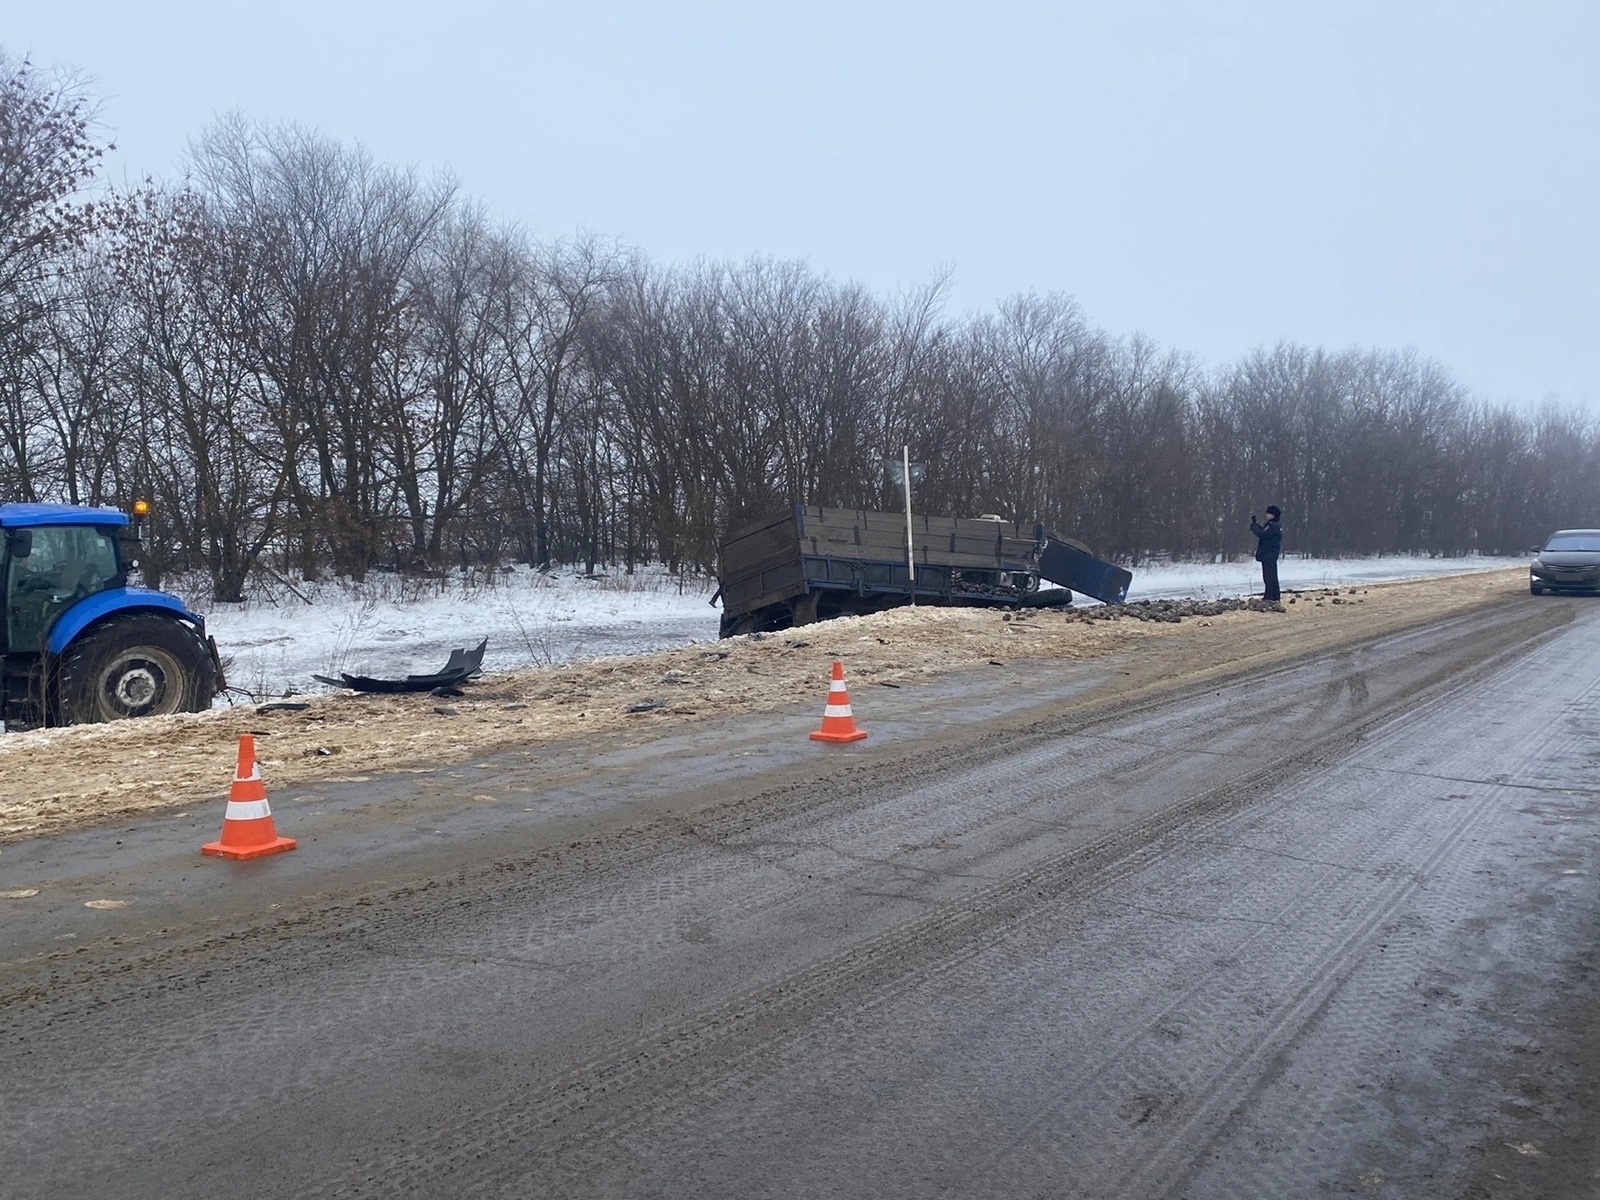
[1073, 569]
[117, 600]
[13, 515]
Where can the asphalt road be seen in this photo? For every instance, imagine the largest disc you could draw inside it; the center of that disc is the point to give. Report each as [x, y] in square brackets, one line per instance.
[1325, 929]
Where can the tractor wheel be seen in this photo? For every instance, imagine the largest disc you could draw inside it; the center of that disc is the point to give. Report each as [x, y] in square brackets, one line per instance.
[136, 666]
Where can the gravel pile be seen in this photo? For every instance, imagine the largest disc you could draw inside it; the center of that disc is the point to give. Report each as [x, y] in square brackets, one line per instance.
[1172, 611]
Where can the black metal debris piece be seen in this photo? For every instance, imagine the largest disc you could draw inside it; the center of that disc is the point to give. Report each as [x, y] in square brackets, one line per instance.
[463, 665]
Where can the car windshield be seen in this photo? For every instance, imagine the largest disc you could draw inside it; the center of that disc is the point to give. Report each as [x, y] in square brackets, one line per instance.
[1575, 541]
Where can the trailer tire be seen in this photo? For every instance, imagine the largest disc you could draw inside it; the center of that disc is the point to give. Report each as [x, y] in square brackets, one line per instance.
[142, 665]
[804, 609]
[1048, 598]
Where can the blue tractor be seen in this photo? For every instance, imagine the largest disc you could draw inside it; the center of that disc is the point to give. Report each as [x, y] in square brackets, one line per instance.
[77, 643]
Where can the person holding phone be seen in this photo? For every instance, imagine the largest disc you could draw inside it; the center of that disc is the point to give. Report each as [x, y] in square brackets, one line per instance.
[1269, 541]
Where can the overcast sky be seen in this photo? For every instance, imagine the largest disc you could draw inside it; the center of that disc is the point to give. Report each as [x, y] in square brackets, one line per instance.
[1219, 175]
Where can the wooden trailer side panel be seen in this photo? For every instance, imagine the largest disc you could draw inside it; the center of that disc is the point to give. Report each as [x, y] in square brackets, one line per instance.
[811, 547]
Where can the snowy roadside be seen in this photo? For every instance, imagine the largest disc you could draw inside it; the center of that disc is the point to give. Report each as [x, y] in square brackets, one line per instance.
[274, 646]
[1210, 581]
[54, 779]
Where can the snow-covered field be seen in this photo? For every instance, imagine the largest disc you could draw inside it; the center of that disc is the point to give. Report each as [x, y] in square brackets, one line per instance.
[273, 647]
[1210, 581]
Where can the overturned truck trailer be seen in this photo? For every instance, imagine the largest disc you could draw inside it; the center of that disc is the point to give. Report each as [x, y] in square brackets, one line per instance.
[814, 563]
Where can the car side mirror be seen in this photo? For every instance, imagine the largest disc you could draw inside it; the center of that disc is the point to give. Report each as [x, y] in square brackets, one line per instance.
[19, 543]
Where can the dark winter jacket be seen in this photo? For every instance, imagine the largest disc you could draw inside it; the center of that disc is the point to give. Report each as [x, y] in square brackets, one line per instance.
[1269, 539]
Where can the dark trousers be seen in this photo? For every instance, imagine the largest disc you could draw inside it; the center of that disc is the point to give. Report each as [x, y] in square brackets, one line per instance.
[1269, 579]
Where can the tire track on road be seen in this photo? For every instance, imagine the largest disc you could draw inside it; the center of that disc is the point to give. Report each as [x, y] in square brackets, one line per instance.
[654, 1082]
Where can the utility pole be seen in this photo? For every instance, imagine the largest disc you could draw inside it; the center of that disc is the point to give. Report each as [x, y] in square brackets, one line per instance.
[911, 555]
[905, 472]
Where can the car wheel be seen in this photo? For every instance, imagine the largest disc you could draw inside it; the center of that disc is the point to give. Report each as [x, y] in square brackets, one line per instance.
[1535, 589]
[136, 666]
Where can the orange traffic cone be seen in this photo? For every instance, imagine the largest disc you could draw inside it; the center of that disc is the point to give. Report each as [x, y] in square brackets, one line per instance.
[247, 828]
[838, 723]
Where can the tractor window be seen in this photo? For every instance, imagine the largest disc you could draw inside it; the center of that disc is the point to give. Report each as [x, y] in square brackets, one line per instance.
[65, 564]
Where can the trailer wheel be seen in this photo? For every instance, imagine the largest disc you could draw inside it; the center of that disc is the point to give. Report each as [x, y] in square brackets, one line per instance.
[1048, 598]
[141, 665]
[803, 611]
[737, 626]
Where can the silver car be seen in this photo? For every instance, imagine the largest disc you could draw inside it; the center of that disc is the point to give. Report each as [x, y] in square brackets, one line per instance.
[1570, 561]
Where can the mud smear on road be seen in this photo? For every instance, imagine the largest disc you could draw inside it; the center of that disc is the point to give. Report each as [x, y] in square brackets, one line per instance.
[53, 780]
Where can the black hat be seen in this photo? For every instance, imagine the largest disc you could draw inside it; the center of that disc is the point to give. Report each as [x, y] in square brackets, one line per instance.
[1275, 510]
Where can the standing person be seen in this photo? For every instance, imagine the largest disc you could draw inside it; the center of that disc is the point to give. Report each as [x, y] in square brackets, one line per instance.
[1269, 540]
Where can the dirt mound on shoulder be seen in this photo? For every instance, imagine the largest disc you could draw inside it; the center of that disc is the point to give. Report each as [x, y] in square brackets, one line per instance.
[56, 779]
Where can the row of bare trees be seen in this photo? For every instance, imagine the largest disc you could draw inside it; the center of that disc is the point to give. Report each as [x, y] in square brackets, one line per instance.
[316, 363]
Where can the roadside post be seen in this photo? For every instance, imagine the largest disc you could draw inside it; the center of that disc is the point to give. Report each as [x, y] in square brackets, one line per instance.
[905, 472]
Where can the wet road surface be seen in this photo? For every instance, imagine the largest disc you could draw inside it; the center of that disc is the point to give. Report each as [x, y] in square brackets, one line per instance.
[1325, 929]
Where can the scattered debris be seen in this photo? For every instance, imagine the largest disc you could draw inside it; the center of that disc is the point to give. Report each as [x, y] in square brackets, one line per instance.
[463, 665]
[1171, 612]
[646, 706]
[83, 778]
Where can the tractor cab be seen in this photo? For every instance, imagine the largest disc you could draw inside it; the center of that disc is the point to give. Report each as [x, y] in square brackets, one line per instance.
[51, 565]
[77, 643]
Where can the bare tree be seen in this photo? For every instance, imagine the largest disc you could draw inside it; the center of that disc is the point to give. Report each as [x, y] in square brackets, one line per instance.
[332, 239]
[204, 445]
[444, 443]
[540, 319]
[49, 153]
